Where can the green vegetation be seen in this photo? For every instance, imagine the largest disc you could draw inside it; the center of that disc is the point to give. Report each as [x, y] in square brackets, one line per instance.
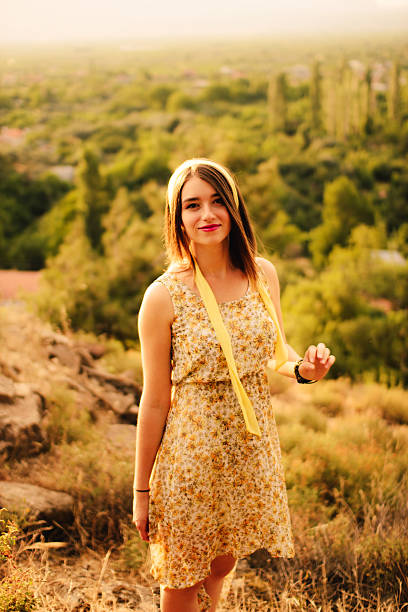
[318, 146]
[16, 591]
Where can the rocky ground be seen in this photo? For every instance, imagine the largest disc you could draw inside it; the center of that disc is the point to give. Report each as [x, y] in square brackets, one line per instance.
[34, 359]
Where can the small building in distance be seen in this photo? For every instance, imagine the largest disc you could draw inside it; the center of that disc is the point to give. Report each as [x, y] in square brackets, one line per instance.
[389, 256]
[65, 173]
[14, 137]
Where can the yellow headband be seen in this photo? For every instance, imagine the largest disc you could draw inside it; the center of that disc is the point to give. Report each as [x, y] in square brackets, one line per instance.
[193, 163]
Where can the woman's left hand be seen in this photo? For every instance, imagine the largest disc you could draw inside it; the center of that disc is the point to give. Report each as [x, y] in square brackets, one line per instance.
[316, 362]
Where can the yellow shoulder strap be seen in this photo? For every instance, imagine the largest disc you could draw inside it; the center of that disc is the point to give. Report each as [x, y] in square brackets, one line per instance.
[281, 350]
[224, 339]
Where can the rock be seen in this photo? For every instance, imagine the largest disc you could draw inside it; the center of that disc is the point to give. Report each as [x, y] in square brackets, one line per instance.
[20, 426]
[84, 356]
[23, 389]
[93, 348]
[122, 437]
[40, 503]
[65, 355]
[7, 389]
[124, 385]
[120, 403]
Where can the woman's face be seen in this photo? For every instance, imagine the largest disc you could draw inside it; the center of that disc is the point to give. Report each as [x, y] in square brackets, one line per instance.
[205, 217]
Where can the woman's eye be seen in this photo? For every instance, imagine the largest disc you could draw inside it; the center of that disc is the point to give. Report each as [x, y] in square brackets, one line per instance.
[219, 201]
[192, 205]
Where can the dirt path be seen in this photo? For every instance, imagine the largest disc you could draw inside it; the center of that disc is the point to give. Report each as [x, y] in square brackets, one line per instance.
[14, 281]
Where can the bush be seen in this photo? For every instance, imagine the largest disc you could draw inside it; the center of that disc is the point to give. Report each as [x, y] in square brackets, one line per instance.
[15, 588]
[390, 404]
[67, 420]
[329, 399]
[134, 549]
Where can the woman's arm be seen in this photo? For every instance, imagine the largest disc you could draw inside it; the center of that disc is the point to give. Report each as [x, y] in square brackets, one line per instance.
[317, 359]
[155, 319]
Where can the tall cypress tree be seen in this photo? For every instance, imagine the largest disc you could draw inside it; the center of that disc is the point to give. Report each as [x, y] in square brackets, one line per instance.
[277, 102]
[369, 103]
[93, 201]
[316, 95]
[394, 93]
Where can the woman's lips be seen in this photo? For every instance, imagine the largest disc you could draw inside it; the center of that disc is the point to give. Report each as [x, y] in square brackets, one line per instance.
[209, 228]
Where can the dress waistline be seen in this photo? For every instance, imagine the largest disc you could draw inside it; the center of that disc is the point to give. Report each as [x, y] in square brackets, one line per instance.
[227, 380]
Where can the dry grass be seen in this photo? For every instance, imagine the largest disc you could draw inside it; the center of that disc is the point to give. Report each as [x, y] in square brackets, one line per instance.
[345, 452]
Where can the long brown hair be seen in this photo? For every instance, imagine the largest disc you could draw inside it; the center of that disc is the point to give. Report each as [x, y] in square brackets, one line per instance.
[242, 241]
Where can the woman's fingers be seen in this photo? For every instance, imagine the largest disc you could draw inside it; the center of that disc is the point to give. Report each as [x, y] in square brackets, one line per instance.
[326, 355]
[143, 528]
[320, 360]
[331, 360]
[319, 352]
[310, 354]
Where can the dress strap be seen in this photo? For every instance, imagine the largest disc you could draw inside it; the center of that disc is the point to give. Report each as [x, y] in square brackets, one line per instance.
[281, 350]
[176, 290]
[224, 339]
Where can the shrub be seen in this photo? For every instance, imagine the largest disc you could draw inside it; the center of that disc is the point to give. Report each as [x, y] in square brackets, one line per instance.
[312, 419]
[15, 588]
[67, 420]
[329, 399]
[134, 549]
[390, 404]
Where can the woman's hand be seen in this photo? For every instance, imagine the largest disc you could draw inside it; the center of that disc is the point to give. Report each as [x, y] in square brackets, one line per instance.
[316, 362]
[141, 514]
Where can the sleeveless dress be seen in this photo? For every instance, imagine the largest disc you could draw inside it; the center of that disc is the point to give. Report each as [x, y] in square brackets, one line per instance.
[215, 488]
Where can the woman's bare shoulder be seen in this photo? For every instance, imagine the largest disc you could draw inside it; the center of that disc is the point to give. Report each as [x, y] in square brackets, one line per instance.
[183, 272]
[268, 268]
[157, 303]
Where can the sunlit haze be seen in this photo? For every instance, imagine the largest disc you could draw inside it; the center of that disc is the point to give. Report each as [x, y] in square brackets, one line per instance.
[47, 20]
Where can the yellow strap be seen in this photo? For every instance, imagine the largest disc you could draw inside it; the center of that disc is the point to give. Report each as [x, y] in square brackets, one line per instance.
[281, 350]
[224, 339]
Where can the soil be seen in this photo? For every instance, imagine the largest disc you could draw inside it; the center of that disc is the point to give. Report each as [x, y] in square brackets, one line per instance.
[14, 281]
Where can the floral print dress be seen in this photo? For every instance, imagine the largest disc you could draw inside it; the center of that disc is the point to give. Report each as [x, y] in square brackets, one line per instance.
[216, 489]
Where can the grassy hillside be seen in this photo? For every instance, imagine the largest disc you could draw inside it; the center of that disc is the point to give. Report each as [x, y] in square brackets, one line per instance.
[345, 452]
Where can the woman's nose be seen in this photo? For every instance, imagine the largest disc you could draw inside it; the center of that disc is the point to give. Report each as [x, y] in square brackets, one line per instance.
[207, 211]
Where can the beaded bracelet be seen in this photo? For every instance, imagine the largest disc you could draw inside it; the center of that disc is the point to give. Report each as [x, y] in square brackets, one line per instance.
[299, 377]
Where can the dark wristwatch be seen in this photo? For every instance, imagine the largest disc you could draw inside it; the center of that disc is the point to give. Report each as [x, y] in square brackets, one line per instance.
[299, 377]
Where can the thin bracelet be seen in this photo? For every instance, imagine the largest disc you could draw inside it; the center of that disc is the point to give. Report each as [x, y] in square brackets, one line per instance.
[142, 490]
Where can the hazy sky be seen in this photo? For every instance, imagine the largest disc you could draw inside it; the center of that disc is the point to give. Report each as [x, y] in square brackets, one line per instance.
[53, 20]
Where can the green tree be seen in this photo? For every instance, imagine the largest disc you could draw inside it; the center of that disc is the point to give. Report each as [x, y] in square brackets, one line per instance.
[277, 102]
[369, 103]
[116, 221]
[357, 306]
[316, 96]
[92, 197]
[394, 93]
[344, 207]
[159, 95]
[74, 283]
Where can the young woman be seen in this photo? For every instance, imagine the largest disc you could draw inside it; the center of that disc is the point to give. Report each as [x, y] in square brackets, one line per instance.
[209, 486]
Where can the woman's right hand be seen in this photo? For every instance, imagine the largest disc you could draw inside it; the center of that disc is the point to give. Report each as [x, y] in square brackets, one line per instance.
[141, 514]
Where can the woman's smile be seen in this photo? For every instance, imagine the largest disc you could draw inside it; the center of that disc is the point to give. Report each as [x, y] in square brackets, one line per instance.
[210, 228]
